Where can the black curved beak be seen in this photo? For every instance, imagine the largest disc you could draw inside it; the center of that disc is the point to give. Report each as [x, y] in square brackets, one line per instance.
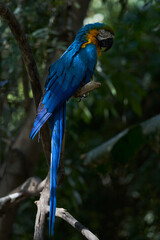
[106, 43]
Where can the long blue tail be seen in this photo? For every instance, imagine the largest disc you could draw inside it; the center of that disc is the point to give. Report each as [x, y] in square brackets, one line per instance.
[57, 125]
[41, 118]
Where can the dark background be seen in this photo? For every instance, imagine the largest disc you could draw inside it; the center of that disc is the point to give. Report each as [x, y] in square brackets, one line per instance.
[118, 195]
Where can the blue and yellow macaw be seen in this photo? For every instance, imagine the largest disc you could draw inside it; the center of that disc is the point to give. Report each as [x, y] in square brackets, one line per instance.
[74, 69]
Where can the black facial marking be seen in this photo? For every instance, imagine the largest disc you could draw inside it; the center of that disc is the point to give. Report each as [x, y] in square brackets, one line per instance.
[106, 43]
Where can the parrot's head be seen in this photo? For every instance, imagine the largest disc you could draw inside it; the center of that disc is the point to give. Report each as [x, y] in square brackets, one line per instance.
[99, 34]
[105, 38]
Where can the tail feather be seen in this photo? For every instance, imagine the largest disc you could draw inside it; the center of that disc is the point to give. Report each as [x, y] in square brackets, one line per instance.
[41, 118]
[57, 125]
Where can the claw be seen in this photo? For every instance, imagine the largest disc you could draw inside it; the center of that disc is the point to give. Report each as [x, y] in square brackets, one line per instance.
[85, 95]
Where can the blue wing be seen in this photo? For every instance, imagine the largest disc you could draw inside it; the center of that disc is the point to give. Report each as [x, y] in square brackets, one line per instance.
[65, 76]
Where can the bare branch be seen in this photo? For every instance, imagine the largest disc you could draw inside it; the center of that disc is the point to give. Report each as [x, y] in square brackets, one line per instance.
[86, 89]
[9, 199]
[42, 210]
[31, 187]
[62, 213]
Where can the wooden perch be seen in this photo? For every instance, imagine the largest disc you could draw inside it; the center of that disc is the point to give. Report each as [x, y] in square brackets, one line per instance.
[66, 216]
[86, 89]
[42, 210]
[31, 187]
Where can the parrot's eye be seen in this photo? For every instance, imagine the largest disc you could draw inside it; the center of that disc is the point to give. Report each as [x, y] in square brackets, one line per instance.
[102, 31]
[105, 39]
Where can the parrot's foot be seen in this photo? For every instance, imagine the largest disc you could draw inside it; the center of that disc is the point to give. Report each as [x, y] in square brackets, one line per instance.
[85, 95]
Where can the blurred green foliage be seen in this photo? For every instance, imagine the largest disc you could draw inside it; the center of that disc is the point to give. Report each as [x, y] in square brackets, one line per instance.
[116, 198]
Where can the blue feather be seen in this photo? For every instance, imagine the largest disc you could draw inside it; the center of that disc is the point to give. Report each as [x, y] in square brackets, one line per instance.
[57, 125]
[75, 66]
[41, 118]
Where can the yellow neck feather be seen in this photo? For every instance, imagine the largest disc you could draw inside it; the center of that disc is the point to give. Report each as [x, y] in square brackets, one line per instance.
[91, 38]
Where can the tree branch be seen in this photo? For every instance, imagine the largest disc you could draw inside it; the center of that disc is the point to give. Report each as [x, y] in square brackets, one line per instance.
[25, 48]
[31, 67]
[42, 210]
[86, 89]
[62, 213]
[31, 187]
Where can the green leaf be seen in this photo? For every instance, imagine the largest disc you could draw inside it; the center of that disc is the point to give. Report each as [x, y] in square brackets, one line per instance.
[126, 148]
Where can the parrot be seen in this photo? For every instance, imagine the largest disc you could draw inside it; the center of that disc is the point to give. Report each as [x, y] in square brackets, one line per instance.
[74, 69]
